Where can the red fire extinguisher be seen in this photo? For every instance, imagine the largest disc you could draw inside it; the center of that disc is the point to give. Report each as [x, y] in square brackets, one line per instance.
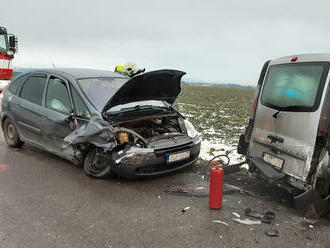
[216, 183]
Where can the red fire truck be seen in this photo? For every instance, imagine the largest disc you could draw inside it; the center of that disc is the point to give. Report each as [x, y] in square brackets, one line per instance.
[8, 47]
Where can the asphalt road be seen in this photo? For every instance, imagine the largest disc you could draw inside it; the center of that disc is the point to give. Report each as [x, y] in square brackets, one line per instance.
[48, 202]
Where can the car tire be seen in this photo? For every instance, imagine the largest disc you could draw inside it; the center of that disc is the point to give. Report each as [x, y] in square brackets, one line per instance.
[98, 164]
[11, 135]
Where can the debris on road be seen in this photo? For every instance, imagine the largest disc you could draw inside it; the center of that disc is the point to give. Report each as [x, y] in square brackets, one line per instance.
[264, 217]
[309, 221]
[230, 187]
[236, 214]
[186, 193]
[247, 221]
[197, 191]
[220, 222]
[311, 205]
[272, 233]
[184, 210]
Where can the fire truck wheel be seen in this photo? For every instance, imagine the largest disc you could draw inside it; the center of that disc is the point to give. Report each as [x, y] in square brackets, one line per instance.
[11, 135]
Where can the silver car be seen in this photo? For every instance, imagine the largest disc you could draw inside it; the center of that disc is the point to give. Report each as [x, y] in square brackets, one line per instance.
[287, 139]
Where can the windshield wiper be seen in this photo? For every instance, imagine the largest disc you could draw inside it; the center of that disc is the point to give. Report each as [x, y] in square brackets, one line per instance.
[276, 114]
[295, 107]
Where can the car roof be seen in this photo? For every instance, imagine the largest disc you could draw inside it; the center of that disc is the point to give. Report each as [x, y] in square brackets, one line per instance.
[79, 73]
[308, 57]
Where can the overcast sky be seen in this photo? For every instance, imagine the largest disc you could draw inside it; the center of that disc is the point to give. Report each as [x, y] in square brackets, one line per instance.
[217, 41]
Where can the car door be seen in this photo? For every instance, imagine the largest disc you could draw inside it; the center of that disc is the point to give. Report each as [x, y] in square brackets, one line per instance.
[29, 110]
[57, 122]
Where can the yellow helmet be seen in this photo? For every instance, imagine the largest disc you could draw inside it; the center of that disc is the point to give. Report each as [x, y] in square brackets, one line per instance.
[119, 68]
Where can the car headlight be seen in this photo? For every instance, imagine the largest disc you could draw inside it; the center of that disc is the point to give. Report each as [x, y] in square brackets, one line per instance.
[191, 131]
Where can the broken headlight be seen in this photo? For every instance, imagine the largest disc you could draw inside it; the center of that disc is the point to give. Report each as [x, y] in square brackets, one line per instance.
[191, 131]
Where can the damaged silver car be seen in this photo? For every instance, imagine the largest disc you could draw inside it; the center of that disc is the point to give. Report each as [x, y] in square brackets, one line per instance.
[287, 139]
[108, 122]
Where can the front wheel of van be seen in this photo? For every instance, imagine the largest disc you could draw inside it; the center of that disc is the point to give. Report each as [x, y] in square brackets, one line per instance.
[11, 135]
[98, 164]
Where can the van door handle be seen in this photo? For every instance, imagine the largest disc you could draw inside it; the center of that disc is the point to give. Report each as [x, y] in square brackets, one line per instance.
[274, 139]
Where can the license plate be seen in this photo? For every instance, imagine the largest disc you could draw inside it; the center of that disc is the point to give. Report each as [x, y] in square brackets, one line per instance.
[177, 156]
[277, 162]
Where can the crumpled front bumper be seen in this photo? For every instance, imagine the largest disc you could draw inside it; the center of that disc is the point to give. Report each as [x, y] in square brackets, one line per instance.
[146, 162]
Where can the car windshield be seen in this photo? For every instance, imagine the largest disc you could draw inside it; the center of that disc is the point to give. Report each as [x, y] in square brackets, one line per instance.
[100, 90]
[294, 87]
[3, 43]
[139, 105]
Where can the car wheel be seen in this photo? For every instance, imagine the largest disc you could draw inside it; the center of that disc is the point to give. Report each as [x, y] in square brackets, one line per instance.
[98, 164]
[11, 135]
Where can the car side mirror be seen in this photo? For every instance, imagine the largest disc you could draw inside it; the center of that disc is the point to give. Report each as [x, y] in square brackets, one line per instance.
[72, 121]
[69, 118]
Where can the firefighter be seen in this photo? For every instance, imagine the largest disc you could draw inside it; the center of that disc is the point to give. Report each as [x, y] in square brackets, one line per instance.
[130, 69]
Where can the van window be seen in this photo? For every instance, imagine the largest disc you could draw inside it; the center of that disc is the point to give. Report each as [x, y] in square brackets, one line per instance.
[294, 87]
[33, 89]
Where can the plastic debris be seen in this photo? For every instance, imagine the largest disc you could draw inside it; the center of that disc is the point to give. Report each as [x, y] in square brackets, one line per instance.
[264, 217]
[236, 214]
[197, 191]
[272, 233]
[244, 167]
[184, 210]
[220, 222]
[247, 221]
[309, 221]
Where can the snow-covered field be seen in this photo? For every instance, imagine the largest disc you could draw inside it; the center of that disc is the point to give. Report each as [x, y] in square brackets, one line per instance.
[219, 148]
[219, 115]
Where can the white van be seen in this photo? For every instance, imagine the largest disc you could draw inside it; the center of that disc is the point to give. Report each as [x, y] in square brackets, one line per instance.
[287, 139]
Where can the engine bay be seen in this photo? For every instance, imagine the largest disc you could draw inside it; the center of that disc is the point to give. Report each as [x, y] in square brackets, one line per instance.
[141, 132]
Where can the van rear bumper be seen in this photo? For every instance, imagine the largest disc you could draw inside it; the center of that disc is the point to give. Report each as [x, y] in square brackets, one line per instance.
[271, 175]
[266, 169]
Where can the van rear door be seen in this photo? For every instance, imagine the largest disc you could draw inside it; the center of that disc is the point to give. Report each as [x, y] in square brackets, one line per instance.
[288, 115]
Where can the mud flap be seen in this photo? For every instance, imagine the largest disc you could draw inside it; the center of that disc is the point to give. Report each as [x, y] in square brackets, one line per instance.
[242, 145]
[311, 204]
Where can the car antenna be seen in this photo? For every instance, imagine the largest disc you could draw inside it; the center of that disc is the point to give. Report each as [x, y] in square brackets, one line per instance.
[51, 61]
[276, 114]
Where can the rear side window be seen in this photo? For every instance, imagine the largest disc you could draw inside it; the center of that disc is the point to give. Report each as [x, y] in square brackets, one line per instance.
[294, 87]
[17, 84]
[33, 89]
[58, 96]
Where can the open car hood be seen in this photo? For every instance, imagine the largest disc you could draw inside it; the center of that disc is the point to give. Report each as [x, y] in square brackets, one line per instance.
[164, 85]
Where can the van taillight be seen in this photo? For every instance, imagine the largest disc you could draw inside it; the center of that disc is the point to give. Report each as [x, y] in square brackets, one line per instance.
[323, 124]
[255, 101]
